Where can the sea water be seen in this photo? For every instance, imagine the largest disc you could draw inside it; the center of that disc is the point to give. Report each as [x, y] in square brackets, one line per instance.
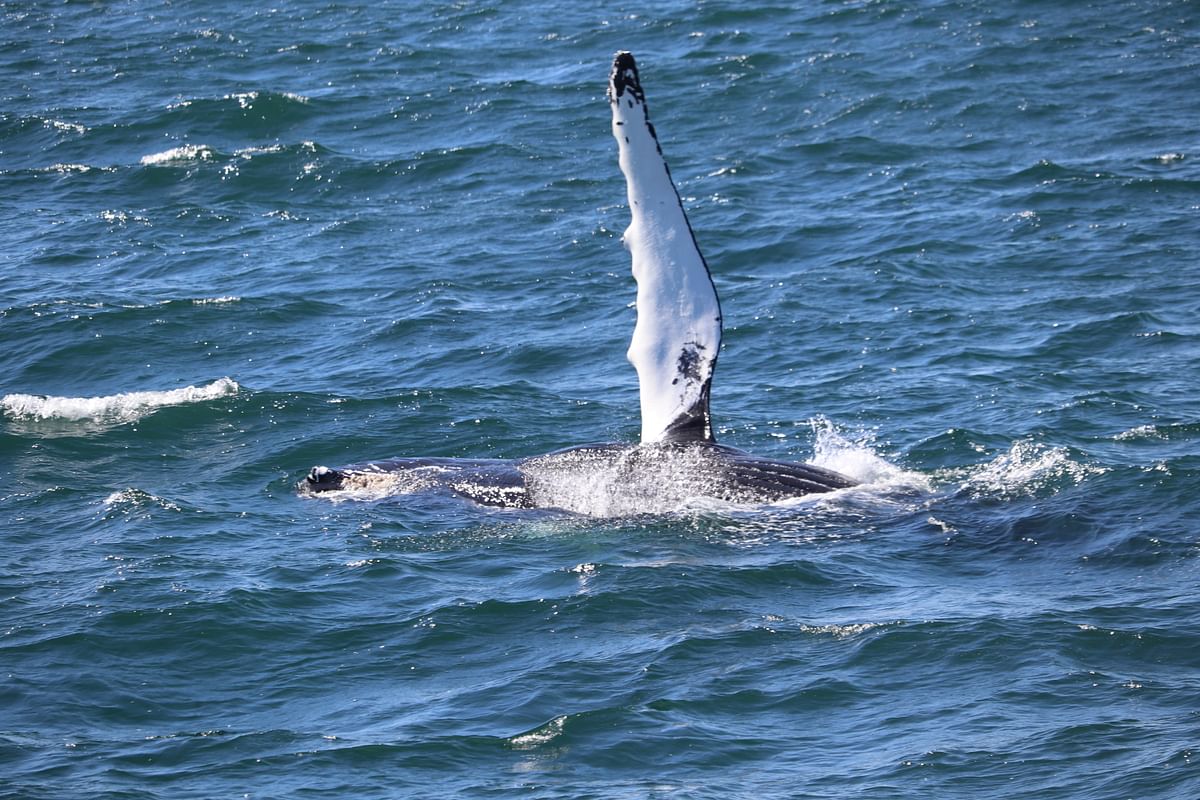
[956, 245]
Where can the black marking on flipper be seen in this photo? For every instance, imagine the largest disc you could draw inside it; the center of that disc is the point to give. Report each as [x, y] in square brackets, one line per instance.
[625, 78]
[689, 362]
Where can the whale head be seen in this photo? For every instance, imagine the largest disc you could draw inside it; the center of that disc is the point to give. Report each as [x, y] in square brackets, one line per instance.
[323, 479]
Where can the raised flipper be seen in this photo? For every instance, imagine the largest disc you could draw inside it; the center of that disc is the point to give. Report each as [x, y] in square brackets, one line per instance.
[678, 332]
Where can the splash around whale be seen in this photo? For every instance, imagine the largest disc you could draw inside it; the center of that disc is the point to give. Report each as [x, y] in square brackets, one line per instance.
[674, 349]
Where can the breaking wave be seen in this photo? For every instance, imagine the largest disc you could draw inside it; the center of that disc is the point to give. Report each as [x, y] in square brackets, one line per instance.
[184, 154]
[123, 407]
[1024, 470]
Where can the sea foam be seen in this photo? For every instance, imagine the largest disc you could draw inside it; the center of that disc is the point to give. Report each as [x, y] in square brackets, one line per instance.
[123, 407]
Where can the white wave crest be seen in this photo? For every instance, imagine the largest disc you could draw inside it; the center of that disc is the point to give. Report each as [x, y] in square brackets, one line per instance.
[65, 169]
[117, 217]
[246, 100]
[131, 500]
[1141, 432]
[539, 736]
[124, 407]
[251, 152]
[66, 127]
[184, 154]
[848, 630]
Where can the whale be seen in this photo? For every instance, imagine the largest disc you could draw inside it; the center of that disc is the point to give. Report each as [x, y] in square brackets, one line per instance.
[674, 348]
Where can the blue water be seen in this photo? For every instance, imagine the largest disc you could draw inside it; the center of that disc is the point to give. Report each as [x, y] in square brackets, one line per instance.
[956, 246]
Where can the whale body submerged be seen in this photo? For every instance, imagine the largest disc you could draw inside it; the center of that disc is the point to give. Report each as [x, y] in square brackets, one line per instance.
[674, 349]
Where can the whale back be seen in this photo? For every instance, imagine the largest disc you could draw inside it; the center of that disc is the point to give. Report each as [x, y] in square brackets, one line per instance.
[678, 332]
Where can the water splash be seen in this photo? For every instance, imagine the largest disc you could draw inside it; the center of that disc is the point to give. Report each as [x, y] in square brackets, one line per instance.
[855, 456]
[1023, 471]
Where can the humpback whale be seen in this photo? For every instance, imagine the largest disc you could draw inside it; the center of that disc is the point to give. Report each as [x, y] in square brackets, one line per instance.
[674, 349]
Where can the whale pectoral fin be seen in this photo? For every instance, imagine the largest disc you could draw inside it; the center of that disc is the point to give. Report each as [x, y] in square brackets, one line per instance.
[678, 333]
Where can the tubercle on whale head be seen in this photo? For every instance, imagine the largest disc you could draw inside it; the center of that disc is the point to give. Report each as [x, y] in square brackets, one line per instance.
[624, 78]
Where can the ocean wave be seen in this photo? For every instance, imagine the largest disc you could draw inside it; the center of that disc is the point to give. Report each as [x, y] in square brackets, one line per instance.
[1023, 471]
[273, 161]
[66, 169]
[306, 146]
[255, 113]
[65, 127]
[248, 99]
[123, 407]
[121, 218]
[846, 631]
[131, 500]
[245, 100]
[539, 736]
[78, 309]
[58, 168]
[184, 154]
[1140, 432]
[1162, 432]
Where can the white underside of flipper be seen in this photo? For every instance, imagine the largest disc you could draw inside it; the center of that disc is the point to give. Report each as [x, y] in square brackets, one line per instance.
[678, 332]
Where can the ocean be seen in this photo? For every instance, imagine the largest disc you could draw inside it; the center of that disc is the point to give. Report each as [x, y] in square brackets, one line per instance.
[957, 249]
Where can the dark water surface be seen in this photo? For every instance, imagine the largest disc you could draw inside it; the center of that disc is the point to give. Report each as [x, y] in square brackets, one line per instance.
[957, 250]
